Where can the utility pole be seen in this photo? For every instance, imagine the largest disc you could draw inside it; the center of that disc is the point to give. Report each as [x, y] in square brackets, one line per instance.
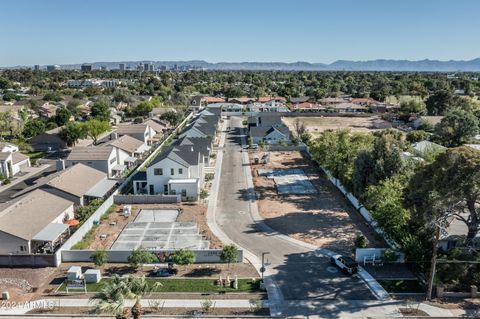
[433, 262]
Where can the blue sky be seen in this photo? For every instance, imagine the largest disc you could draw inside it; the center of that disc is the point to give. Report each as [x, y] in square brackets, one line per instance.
[64, 31]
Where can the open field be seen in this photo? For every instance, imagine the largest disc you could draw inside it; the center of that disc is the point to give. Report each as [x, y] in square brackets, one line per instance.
[321, 123]
[323, 218]
[116, 222]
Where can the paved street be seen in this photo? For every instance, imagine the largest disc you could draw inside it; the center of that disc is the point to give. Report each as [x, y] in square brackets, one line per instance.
[299, 273]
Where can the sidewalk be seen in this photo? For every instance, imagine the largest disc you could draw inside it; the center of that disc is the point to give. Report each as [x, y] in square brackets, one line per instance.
[32, 172]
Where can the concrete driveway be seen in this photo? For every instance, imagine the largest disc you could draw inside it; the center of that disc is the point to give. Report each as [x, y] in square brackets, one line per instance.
[299, 272]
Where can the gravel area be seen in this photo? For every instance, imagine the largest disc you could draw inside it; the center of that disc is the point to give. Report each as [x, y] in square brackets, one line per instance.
[113, 226]
[324, 219]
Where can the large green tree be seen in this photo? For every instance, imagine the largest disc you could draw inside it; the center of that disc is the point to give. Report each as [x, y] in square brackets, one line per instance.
[440, 102]
[72, 132]
[457, 128]
[94, 128]
[451, 182]
[100, 110]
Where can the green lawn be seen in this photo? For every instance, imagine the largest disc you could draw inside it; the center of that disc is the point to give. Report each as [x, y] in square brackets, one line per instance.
[35, 156]
[402, 286]
[187, 285]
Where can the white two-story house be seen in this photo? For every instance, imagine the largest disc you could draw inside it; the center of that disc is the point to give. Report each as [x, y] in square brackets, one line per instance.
[108, 159]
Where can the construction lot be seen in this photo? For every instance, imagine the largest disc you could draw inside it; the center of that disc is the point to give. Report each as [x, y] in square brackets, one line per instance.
[121, 232]
[321, 217]
[319, 124]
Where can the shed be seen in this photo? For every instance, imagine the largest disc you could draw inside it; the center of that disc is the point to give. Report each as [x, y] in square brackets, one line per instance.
[92, 276]
[74, 273]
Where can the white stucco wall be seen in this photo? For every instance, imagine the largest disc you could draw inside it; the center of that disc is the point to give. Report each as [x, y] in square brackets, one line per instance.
[158, 181]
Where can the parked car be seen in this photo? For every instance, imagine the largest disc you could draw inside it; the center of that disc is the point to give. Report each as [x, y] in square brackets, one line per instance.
[346, 264]
[254, 146]
[164, 272]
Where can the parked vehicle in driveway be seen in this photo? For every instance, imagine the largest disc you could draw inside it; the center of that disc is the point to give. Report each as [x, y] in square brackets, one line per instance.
[346, 264]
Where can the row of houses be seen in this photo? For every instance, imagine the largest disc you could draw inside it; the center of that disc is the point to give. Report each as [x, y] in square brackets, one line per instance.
[180, 168]
[41, 220]
[123, 150]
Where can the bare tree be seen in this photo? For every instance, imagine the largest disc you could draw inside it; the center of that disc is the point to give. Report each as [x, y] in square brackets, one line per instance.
[300, 127]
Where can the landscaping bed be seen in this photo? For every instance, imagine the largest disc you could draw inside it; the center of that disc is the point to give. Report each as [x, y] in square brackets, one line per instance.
[402, 286]
[187, 285]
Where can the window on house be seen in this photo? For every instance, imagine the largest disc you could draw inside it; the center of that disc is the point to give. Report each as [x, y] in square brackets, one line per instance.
[180, 171]
[21, 248]
[113, 160]
[172, 171]
[165, 189]
[173, 192]
[158, 171]
[184, 192]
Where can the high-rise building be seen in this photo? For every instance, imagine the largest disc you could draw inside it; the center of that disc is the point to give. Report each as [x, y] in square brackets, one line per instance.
[53, 67]
[86, 67]
[147, 66]
[121, 66]
[103, 68]
[36, 67]
[163, 68]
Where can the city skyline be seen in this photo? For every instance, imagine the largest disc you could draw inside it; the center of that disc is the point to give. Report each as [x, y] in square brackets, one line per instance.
[54, 32]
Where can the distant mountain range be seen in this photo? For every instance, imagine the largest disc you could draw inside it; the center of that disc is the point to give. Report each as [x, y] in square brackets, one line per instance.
[340, 65]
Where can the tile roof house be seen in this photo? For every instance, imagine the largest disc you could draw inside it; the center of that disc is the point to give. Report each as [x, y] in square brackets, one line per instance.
[108, 159]
[34, 223]
[134, 148]
[80, 184]
[140, 131]
[47, 110]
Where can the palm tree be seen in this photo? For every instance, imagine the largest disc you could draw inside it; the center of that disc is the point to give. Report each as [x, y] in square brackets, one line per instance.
[111, 298]
[139, 287]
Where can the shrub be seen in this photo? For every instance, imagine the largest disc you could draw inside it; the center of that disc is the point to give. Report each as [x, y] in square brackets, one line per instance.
[229, 254]
[140, 256]
[209, 177]
[389, 255]
[184, 257]
[361, 241]
[99, 257]
[203, 193]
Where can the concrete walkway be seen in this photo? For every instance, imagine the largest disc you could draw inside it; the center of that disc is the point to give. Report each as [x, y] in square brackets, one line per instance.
[328, 309]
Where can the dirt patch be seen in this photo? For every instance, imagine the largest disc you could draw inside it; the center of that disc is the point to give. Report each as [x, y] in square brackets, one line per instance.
[412, 312]
[24, 284]
[197, 312]
[356, 124]
[324, 219]
[108, 230]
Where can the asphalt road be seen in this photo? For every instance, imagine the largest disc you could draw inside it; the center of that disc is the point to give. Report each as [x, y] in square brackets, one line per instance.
[300, 274]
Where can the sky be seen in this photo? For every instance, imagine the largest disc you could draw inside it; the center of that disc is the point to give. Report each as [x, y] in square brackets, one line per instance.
[64, 31]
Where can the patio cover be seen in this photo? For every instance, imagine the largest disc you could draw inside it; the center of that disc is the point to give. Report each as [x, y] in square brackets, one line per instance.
[101, 188]
[51, 232]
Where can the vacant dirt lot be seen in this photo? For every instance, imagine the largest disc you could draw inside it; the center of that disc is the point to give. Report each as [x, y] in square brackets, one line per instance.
[114, 225]
[25, 284]
[356, 124]
[324, 219]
